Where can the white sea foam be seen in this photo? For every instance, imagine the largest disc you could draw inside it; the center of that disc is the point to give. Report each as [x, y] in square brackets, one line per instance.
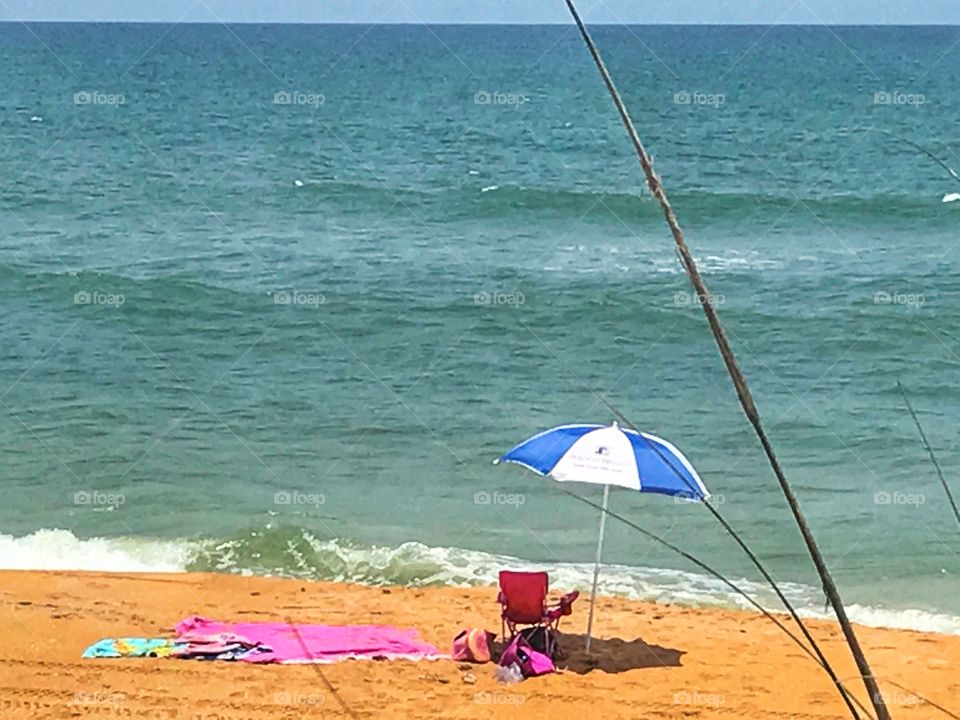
[416, 564]
[583, 259]
[909, 619]
[62, 550]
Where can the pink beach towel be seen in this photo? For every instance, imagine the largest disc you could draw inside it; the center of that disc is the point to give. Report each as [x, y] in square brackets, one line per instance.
[279, 642]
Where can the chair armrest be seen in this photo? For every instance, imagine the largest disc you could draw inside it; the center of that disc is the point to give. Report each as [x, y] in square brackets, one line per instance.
[563, 607]
[566, 602]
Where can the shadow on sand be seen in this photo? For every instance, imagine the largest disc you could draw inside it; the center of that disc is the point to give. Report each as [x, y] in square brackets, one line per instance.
[614, 655]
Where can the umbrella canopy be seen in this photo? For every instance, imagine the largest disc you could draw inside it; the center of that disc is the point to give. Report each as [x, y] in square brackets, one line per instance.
[608, 455]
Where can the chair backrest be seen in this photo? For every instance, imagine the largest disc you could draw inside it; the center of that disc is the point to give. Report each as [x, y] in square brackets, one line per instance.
[524, 595]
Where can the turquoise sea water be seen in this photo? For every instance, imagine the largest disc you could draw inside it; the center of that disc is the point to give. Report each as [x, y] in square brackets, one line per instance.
[272, 298]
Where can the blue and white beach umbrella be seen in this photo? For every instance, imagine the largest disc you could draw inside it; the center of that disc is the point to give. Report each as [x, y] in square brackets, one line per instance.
[608, 455]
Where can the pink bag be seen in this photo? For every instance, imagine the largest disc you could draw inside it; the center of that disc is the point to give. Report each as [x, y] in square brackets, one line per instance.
[531, 662]
[473, 645]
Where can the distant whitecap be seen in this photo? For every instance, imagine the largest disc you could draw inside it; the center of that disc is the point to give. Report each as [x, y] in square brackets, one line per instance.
[951, 197]
[488, 188]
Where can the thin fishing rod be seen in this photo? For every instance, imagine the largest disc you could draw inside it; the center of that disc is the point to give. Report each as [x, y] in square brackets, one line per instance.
[922, 149]
[736, 588]
[740, 591]
[928, 701]
[326, 681]
[828, 668]
[923, 436]
[736, 376]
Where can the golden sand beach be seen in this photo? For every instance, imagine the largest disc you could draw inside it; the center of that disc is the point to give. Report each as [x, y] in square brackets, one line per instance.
[650, 661]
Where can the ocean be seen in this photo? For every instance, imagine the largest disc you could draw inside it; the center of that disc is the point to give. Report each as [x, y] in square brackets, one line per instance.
[273, 298]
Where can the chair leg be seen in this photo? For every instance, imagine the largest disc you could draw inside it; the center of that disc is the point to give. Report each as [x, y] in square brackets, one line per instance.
[553, 630]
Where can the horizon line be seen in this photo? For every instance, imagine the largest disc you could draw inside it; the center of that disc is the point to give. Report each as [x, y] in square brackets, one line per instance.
[20, 21]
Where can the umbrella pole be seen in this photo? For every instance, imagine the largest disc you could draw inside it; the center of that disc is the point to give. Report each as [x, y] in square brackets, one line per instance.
[596, 565]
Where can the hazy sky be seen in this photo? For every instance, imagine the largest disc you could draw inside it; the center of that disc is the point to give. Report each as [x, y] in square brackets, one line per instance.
[511, 11]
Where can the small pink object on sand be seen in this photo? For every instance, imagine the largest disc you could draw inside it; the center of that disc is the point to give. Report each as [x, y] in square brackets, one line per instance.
[297, 643]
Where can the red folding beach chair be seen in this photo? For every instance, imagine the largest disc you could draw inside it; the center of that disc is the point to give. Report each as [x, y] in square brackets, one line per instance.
[523, 598]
